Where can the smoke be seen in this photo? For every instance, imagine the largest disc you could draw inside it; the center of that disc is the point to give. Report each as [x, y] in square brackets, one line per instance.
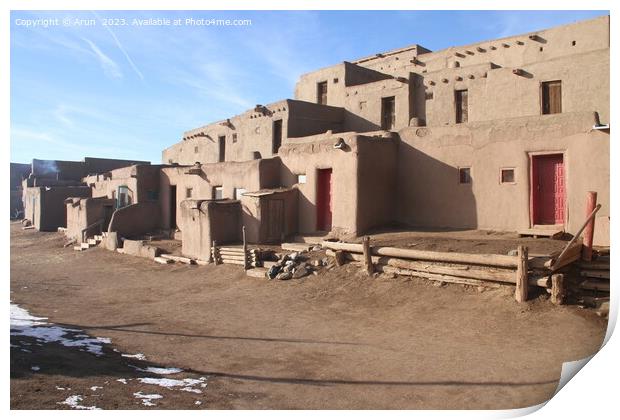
[44, 167]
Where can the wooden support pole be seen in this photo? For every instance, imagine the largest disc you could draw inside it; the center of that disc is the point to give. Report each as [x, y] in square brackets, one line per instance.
[554, 266]
[245, 249]
[588, 234]
[367, 256]
[558, 291]
[522, 281]
[214, 255]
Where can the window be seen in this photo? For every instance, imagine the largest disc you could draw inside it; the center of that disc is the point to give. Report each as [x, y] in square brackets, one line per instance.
[188, 192]
[321, 93]
[388, 113]
[551, 97]
[218, 193]
[239, 192]
[222, 148]
[301, 178]
[195, 149]
[507, 176]
[460, 101]
[464, 175]
[124, 197]
[234, 137]
[276, 141]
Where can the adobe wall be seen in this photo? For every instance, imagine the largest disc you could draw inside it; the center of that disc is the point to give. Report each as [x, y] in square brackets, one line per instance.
[83, 212]
[136, 219]
[251, 175]
[45, 206]
[256, 215]
[207, 221]
[308, 155]
[429, 194]
[141, 181]
[254, 132]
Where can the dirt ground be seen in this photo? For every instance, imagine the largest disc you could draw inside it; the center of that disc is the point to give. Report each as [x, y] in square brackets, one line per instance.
[339, 340]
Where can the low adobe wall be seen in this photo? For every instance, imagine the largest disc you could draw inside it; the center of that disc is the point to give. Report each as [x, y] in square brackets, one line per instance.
[206, 221]
[135, 220]
[84, 212]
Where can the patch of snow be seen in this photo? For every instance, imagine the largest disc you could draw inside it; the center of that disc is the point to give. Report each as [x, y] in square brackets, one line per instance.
[103, 340]
[197, 402]
[35, 368]
[138, 356]
[26, 350]
[159, 371]
[24, 324]
[183, 384]
[94, 388]
[62, 389]
[188, 389]
[147, 399]
[123, 381]
[74, 402]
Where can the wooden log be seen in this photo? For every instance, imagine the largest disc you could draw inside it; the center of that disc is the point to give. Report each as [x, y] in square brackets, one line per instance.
[451, 257]
[367, 256]
[178, 258]
[594, 285]
[588, 233]
[297, 247]
[162, 260]
[521, 275]
[235, 262]
[435, 277]
[591, 216]
[558, 290]
[594, 265]
[214, 253]
[476, 272]
[232, 257]
[597, 274]
[569, 255]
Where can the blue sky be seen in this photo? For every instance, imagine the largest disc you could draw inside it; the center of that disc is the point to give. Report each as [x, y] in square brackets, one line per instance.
[129, 91]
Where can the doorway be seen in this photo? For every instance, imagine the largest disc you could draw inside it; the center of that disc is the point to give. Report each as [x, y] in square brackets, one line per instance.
[324, 200]
[275, 220]
[173, 207]
[548, 189]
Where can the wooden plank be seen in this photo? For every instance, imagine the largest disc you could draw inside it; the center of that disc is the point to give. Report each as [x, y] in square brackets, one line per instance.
[235, 262]
[435, 277]
[230, 249]
[594, 265]
[521, 275]
[367, 256]
[594, 285]
[245, 249]
[232, 257]
[162, 260]
[452, 257]
[541, 233]
[184, 260]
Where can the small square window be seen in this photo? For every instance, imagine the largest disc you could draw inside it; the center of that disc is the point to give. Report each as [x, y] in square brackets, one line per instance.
[188, 192]
[464, 175]
[507, 176]
[335, 80]
[218, 193]
[195, 149]
[234, 138]
[301, 178]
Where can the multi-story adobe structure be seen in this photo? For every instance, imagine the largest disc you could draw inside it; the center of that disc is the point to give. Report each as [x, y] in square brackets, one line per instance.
[507, 134]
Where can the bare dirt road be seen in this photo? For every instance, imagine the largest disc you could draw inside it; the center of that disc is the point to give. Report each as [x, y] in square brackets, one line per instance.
[337, 340]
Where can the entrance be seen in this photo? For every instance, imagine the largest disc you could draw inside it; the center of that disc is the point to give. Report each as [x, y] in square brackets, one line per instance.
[173, 207]
[324, 200]
[548, 189]
[276, 220]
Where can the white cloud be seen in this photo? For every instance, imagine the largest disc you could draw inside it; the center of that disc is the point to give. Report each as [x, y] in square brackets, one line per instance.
[109, 66]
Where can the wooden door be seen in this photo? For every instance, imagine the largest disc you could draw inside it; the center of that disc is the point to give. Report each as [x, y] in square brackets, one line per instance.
[324, 200]
[548, 189]
[275, 223]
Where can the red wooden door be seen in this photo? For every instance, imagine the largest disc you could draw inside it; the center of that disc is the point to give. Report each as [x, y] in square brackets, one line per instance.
[324, 200]
[548, 189]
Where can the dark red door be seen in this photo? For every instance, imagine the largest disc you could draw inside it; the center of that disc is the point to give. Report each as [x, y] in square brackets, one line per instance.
[324, 200]
[548, 189]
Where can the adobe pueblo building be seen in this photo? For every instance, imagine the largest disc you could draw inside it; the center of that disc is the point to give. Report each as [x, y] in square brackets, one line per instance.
[509, 134]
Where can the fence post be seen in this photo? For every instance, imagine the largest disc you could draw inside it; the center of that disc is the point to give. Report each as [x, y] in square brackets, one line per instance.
[522, 283]
[558, 292]
[588, 234]
[367, 256]
[245, 250]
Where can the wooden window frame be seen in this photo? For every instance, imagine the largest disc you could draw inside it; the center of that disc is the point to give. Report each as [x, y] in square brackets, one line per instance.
[458, 111]
[469, 176]
[542, 97]
[514, 175]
